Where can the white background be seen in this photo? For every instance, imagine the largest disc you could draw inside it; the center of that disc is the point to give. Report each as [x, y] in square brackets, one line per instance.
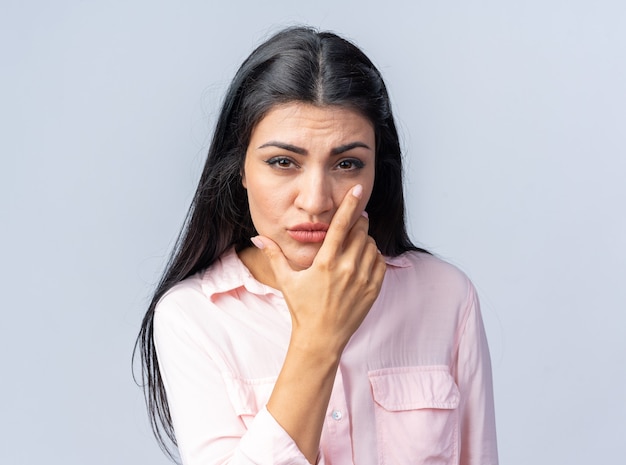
[513, 119]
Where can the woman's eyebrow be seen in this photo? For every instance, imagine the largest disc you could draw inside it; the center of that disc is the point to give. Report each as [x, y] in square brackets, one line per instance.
[302, 151]
[350, 146]
[284, 146]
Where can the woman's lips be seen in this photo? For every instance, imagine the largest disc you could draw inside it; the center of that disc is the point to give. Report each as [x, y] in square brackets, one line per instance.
[308, 232]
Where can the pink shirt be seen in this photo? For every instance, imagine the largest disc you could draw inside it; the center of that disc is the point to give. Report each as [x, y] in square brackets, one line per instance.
[413, 386]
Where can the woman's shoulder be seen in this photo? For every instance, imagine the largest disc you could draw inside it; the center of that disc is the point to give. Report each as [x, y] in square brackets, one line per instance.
[422, 272]
[184, 294]
[200, 289]
[187, 308]
[421, 288]
[426, 264]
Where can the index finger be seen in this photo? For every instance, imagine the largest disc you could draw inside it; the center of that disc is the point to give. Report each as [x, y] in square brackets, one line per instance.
[344, 219]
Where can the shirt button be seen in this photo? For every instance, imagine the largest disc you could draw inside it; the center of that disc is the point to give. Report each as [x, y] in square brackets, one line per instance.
[337, 415]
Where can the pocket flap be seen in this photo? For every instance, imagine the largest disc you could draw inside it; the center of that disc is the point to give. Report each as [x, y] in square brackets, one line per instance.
[248, 396]
[410, 388]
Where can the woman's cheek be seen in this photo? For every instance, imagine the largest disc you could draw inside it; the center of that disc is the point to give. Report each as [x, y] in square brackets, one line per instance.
[266, 211]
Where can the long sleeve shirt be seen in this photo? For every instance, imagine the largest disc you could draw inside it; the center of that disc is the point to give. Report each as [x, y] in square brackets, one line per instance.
[413, 384]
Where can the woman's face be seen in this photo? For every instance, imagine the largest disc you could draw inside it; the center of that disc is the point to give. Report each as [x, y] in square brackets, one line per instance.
[300, 163]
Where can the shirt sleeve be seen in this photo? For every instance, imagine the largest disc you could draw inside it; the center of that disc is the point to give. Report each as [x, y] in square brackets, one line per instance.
[478, 430]
[207, 428]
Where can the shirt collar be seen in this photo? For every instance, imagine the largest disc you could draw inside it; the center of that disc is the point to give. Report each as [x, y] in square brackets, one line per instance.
[229, 273]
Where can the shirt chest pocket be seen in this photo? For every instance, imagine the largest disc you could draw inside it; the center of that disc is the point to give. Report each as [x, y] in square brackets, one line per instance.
[248, 396]
[417, 417]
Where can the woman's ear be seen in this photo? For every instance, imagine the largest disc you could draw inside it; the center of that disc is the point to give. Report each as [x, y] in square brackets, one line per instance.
[243, 179]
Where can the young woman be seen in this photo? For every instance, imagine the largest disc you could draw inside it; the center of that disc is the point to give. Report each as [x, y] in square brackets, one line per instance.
[296, 323]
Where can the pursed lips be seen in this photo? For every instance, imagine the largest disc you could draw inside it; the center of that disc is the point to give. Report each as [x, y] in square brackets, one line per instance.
[308, 232]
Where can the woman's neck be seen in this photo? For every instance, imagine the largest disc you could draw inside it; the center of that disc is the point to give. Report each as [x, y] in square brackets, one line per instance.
[258, 265]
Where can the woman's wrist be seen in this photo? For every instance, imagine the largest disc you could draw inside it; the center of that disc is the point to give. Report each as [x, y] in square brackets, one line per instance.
[319, 351]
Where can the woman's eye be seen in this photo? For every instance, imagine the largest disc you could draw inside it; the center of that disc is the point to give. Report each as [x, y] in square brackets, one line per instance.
[280, 162]
[350, 164]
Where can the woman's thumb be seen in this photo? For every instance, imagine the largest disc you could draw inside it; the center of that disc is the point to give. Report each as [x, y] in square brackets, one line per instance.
[274, 255]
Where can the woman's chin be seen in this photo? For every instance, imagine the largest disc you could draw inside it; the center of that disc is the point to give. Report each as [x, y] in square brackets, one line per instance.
[303, 259]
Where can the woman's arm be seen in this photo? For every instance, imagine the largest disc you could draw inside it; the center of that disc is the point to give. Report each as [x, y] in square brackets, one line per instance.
[208, 425]
[327, 302]
[478, 438]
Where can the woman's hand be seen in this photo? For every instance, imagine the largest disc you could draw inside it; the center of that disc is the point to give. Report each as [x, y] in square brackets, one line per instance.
[329, 300]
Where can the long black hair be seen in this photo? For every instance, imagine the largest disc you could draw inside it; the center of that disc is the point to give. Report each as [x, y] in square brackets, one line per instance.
[296, 65]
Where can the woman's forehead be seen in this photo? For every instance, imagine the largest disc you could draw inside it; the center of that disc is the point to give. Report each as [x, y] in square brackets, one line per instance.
[297, 120]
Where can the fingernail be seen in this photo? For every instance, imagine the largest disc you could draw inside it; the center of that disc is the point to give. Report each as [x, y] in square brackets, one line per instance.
[257, 242]
[357, 191]
[364, 213]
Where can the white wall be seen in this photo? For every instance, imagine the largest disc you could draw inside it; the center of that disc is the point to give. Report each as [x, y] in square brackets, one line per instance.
[513, 117]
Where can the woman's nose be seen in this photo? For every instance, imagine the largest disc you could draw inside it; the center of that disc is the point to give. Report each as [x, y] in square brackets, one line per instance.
[314, 194]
